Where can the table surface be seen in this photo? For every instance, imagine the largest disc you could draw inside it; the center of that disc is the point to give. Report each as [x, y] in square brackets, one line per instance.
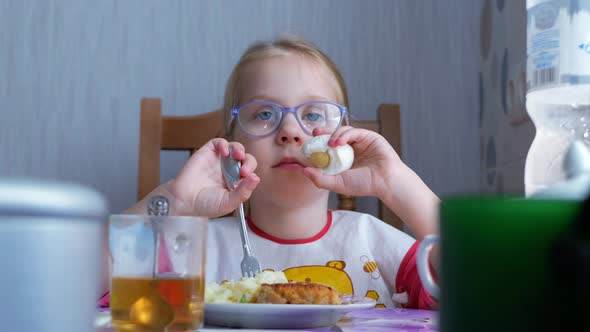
[376, 320]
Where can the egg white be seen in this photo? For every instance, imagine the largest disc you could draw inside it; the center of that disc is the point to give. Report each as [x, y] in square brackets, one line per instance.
[341, 157]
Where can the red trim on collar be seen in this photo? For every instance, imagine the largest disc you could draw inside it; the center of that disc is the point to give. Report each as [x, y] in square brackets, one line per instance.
[267, 236]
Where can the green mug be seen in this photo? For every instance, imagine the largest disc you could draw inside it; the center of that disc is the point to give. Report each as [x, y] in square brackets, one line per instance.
[494, 271]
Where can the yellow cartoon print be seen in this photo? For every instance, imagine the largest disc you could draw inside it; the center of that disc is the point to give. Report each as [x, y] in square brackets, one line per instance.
[371, 268]
[331, 274]
[375, 296]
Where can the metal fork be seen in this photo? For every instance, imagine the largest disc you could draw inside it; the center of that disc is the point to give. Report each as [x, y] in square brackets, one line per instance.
[231, 173]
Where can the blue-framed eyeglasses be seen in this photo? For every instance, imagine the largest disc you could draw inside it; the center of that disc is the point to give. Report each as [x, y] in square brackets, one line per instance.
[263, 118]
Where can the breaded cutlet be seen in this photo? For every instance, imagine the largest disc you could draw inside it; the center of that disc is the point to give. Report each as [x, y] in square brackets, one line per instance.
[298, 293]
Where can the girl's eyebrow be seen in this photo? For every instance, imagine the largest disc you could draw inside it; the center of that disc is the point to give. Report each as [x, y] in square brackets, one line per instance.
[317, 98]
[262, 98]
[269, 98]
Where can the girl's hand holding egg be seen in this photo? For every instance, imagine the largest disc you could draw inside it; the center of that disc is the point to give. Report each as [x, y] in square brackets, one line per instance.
[376, 164]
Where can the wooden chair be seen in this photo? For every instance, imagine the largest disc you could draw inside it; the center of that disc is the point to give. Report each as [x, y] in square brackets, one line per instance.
[188, 133]
[177, 133]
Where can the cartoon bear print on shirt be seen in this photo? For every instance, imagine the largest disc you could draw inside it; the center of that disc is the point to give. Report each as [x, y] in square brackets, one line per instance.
[332, 274]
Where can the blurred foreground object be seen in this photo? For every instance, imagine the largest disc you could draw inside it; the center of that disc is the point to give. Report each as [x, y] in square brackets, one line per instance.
[51, 235]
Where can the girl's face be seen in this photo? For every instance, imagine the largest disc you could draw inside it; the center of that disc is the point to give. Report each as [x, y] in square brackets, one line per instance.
[288, 80]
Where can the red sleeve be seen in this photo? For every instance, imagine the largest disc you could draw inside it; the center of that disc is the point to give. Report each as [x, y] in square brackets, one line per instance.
[408, 280]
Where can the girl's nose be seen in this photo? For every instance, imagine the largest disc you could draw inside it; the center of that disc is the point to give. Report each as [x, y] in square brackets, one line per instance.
[289, 131]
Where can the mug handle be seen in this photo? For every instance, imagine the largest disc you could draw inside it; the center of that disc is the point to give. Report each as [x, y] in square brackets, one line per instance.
[424, 268]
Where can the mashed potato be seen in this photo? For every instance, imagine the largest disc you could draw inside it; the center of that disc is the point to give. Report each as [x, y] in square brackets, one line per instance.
[243, 290]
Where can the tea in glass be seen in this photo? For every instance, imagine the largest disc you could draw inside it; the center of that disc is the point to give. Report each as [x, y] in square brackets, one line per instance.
[173, 302]
[157, 272]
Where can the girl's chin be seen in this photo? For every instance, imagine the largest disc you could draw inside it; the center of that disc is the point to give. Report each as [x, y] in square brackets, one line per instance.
[295, 185]
[288, 174]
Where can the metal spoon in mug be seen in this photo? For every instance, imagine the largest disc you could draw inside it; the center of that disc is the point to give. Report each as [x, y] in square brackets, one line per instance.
[152, 311]
[231, 173]
[158, 206]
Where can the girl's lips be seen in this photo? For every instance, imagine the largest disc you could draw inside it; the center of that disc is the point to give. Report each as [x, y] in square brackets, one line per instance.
[289, 163]
[291, 166]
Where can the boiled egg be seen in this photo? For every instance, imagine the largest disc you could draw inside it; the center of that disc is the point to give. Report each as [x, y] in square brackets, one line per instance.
[329, 160]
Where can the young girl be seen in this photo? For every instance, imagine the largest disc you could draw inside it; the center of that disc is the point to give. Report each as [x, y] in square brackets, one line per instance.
[268, 100]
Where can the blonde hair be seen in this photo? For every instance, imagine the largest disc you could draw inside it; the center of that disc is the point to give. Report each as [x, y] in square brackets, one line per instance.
[280, 47]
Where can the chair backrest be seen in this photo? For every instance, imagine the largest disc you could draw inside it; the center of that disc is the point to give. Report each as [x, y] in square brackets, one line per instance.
[178, 133]
[188, 133]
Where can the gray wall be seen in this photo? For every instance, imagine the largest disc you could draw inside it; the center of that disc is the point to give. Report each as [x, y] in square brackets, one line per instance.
[73, 72]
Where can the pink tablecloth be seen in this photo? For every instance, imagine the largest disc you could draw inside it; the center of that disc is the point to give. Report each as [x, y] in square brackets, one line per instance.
[374, 320]
[378, 320]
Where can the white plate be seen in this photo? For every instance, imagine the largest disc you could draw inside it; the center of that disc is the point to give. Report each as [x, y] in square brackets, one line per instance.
[254, 315]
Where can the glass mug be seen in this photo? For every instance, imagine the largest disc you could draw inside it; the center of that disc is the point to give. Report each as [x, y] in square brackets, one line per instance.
[157, 272]
[494, 260]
